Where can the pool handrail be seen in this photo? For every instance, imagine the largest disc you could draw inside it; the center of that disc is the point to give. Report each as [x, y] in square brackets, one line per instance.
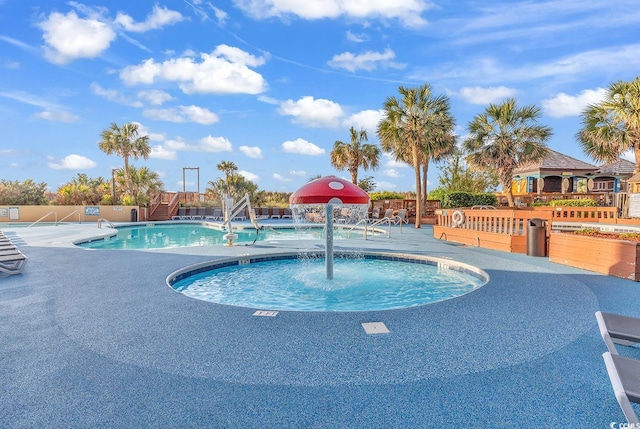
[75, 211]
[105, 220]
[51, 212]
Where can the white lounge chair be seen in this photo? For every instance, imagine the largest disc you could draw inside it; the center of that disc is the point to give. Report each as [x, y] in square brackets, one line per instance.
[275, 213]
[180, 215]
[12, 262]
[262, 213]
[624, 374]
[401, 217]
[618, 329]
[287, 214]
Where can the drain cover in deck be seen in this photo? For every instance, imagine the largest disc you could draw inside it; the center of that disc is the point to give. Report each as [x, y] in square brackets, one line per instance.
[375, 328]
[266, 313]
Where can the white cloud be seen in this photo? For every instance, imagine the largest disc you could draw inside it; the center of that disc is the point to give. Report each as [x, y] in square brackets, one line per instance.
[57, 116]
[113, 95]
[572, 105]
[302, 147]
[367, 119]
[223, 71]
[160, 152]
[366, 61]
[210, 144]
[196, 114]
[311, 112]
[479, 95]
[158, 18]
[392, 172]
[300, 173]
[144, 131]
[249, 176]
[155, 96]
[622, 59]
[385, 186]
[215, 144]
[391, 163]
[72, 162]
[358, 38]
[68, 37]
[251, 152]
[409, 12]
[281, 178]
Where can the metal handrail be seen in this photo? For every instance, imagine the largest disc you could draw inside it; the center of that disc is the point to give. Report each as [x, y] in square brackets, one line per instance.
[105, 220]
[75, 211]
[380, 221]
[51, 212]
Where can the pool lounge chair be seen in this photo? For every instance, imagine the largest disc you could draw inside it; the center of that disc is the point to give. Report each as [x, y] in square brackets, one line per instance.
[199, 213]
[287, 214]
[624, 374]
[401, 217]
[262, 213]
[618, 329]
[216, 214]
[180, 215]
[13, 262]
[275, 213]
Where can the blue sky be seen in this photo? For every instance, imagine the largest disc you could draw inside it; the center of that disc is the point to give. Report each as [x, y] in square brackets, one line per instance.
[272, 84]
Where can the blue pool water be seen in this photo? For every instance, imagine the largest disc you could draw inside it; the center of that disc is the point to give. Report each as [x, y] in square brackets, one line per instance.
[299, 284]
[183, 235]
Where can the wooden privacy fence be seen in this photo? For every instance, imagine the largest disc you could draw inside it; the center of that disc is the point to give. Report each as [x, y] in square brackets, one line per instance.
[506, 229]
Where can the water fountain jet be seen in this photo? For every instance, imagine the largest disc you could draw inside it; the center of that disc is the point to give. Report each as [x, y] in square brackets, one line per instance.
[329, 191]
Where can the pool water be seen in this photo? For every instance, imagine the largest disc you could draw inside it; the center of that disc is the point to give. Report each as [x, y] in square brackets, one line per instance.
[184, 235]
[300, 284]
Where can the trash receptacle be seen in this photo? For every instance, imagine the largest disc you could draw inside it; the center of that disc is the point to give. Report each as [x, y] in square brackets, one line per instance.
[537, 237]
[134, 215]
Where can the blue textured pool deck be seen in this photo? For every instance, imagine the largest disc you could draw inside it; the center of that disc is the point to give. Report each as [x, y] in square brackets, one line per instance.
[96, 339]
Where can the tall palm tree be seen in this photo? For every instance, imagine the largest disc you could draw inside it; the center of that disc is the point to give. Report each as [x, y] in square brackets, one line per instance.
[417, 128]
[354, 155]
[125, 142]
[612, 126]
[505, 137]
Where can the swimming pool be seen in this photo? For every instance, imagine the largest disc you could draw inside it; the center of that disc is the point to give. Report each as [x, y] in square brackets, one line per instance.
[163, 236]
[363, 281]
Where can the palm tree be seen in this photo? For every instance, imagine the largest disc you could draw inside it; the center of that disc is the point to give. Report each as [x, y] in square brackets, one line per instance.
[125, 142]
[146, 185]
[229, 168]
[612, 126]
[354, 155]
[505, 137]
[417, 128]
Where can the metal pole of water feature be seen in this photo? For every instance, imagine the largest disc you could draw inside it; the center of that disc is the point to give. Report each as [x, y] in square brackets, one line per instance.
[328, 247]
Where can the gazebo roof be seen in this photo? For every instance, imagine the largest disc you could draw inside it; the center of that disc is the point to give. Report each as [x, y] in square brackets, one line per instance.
[620, 167]
[556, 161]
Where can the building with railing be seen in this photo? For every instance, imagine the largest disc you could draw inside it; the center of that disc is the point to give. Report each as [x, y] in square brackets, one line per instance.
[560, 176]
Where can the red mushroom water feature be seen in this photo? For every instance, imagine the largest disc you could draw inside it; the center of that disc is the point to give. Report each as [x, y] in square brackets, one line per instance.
[328, 191]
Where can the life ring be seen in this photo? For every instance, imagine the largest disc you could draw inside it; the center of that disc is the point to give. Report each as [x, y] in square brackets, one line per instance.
[457, 218]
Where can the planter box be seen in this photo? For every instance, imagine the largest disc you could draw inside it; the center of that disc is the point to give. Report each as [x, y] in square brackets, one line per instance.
[616, 258]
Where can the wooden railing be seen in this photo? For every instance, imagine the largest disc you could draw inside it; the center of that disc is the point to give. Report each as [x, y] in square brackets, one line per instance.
[506, 229]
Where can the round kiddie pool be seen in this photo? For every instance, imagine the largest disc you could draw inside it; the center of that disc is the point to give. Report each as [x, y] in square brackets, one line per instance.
[296, 281]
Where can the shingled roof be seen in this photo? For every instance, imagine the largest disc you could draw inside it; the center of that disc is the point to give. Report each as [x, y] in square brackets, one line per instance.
[621, 167]
[556, 161]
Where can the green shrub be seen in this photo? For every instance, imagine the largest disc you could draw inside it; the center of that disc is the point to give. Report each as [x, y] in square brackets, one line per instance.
[583, 202]
[386, 195]
[466, 199]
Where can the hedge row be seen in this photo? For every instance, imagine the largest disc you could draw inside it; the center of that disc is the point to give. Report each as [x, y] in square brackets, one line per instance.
[465, 199]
